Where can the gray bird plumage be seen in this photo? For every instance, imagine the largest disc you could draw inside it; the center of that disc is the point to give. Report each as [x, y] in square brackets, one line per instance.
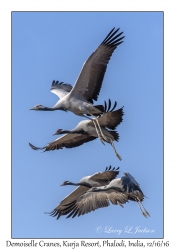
[60, 88]
[86, 183]
[118, 192]
[85, 131]
[79, 99]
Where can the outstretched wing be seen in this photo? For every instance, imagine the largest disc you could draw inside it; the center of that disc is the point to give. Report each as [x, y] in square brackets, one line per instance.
[91, 76]
[91, 201]
[65, 141]
[111, 119]
[107, 175]
[60, 89]
[72, 197]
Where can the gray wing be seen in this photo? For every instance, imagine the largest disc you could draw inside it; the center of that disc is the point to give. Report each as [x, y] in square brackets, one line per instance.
[105, 176]
[91, 76]
[111, 119]
[91, 201]
[60, 89]
[62, 209]
[65, 141]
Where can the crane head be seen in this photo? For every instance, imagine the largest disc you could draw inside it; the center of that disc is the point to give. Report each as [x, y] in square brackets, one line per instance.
[38, 107]
[58, 132]
[65, 183]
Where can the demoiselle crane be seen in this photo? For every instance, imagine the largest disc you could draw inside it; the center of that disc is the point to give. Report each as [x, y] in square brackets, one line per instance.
[79, 99]
[85, 131]
[86, 183]
[118, 192]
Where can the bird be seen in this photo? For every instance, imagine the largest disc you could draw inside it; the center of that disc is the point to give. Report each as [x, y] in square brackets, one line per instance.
[79, 98]
[85, 131]
[119, 191]
[86, 183]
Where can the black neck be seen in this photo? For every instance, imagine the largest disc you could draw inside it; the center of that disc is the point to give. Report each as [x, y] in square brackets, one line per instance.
[73, 132]
[65, 132]
[48, 109]
[85, 184]
[54, 108]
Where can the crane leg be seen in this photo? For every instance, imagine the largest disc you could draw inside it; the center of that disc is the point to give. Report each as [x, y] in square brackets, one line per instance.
[98, 133]
[103, 136]
[143, 207]
[97, 130]
[112, 144]
[98, 125]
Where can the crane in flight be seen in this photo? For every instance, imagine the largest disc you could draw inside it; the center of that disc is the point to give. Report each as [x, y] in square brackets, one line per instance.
[85, 131]
[79, 98]
[97, 191]
[83, 185]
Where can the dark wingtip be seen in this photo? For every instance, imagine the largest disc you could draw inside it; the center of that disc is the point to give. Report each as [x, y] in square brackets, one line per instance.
[109, 105]
[54, 213]
[107, 108]
[33, 147]
[55, 84]
[115, 104]
[113, 169]
[113, 38]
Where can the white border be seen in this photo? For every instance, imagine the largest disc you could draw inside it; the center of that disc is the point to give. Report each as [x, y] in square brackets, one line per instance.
[5, 97]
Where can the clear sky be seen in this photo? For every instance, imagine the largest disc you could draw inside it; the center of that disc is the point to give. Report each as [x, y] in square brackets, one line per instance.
[49, 46]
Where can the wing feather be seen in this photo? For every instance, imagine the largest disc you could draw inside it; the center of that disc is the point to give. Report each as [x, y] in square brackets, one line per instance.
[62, 208]
[89, 81]
[66, 141]
[111, 119]
[106, 176]
[60, 89]
[91, 201]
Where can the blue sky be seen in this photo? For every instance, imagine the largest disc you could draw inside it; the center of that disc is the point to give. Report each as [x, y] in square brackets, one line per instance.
[50, 46]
